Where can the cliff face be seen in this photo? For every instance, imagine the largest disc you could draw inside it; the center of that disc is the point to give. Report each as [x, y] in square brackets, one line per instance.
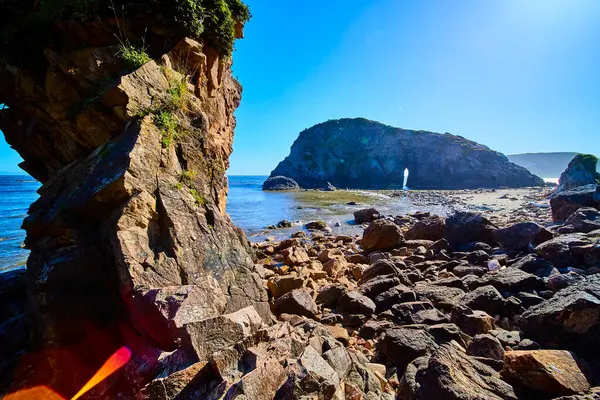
[363, 154]
[130, 242]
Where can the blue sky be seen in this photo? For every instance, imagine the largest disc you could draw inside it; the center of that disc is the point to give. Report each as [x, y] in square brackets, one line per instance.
[516, 75]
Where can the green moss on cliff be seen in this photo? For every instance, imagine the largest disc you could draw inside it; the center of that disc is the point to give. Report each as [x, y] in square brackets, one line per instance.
[30, 26]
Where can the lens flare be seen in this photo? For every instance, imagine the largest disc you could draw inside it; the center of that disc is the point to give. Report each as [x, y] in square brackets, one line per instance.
[114, 363]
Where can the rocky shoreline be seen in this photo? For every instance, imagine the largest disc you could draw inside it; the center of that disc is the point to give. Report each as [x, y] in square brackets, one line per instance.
[448, 308]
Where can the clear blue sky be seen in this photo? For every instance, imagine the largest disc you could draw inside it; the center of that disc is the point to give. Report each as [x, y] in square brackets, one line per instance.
[516, 75]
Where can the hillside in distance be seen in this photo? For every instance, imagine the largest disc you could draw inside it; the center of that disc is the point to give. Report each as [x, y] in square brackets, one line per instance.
[546, 165]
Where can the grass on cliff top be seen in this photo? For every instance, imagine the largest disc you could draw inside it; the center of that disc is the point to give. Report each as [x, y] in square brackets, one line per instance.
[29, 26]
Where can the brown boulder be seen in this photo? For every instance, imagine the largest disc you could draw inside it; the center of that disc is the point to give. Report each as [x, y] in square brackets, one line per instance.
[381, 235]
[298, 302]
[295, 255]
[366, 215]
[549, 373]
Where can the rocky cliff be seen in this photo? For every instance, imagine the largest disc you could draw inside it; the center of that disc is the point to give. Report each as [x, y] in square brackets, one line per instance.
[363, 154]
[130, 243]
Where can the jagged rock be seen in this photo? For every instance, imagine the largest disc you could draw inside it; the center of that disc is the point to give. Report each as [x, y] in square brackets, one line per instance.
[330, 254]
[280, 183]
[209, 335]
[584, 220]
[547, 373]
[450, 374]
[402, 345]
[570, 319]
[474, 322]
[567, 202]
[429, 228]
[379, 268]
[335, 266]
[466, 227]
[560, 250]
[298, 302]
[112, 236]
[356, 303]
[260, 384]
[559, 282]
[363, 154]
[485, 345]
[295, 255]
[317, 226]
[581, 171]
[522, 235]
[535, 265]
[366, 215]
[381, 235]
[485, 298]
[509, 280]
[329, 295]
[438, 294]
[378, 285]
[280, 285]
[507, 338]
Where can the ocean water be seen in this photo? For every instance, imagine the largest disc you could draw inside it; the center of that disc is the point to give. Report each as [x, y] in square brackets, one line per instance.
[16, 194]
[248, 206]
[253, 210]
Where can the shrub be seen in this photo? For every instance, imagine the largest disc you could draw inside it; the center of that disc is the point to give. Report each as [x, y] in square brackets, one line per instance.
[132, 56]
[168, 125]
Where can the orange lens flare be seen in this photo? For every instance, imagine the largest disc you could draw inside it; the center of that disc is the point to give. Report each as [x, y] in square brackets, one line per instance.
[34, 393]
[114, 363]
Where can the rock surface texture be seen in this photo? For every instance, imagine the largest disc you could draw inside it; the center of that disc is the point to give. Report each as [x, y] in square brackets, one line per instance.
[581, 171]
[363, 154]
[130, 243]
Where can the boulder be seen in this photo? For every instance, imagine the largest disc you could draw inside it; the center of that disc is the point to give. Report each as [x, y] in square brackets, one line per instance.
[522, 236]
[486, 345]
[567, 202]
[259, 384]
[295, 255]
[402, 345]
[485, 298]
[570, 319]
[509, 280]
[366, 215]
[280, 285]
[356, 303]
[581, 171]
[450, 374]
[584, 220]
[298, 302]
[428, 228]
[381, 235]
[280, 183]
[317, 226]
[212, 334]
[363, 154]
[464, 227]
[544, 373]
[336, 266]
[329, 295]
[561, 251]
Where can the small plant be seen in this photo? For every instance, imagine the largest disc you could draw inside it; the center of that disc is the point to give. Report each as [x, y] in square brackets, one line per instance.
[187, 177]
[200, 200]
[178, 94]
[132, 56]
[168, 125]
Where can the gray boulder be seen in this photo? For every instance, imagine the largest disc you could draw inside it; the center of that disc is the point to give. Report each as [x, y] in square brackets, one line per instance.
[522, 235]
[584, 220]
[570, 319]
[280, 183]
[580, 172]
[466, 227]
[565, 203]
